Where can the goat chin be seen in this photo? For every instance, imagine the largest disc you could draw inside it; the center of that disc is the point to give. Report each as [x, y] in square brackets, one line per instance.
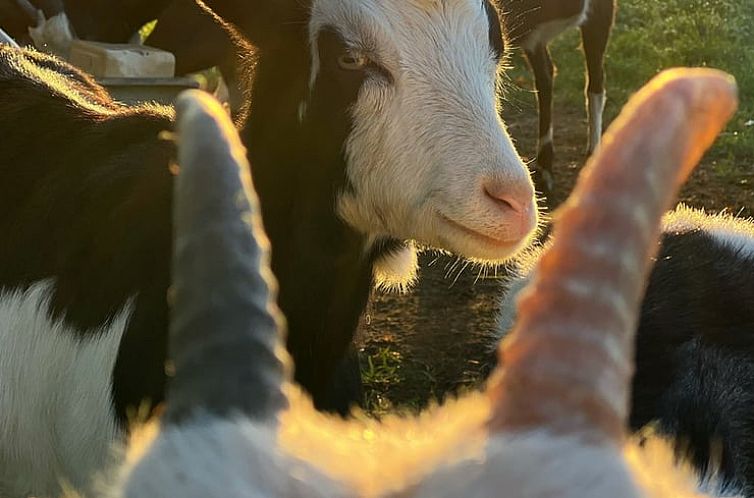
[445, 451]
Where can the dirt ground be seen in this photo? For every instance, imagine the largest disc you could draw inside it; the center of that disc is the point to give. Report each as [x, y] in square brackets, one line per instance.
[436, 340]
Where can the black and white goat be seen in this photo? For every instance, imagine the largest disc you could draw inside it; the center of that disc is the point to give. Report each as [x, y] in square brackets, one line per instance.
[532, 25]
[550, 424]
[694, 379]
[364, 133]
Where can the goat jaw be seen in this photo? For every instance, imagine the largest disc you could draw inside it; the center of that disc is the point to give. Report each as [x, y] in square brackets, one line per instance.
[569, 360]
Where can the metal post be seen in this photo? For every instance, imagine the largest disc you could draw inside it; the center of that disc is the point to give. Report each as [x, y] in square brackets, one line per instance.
[7, 40]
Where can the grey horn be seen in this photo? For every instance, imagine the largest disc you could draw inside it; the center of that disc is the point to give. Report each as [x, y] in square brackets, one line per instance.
[226, 330]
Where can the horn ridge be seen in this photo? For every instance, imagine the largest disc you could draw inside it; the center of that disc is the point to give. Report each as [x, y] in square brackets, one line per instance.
[569, 360]
[226, 330]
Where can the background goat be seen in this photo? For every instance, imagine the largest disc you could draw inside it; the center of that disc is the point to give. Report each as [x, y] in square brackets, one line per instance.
[364, 134]
[532, 25]
[550, 424]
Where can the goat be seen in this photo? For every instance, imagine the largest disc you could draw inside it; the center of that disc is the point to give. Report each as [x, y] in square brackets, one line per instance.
[532, 25]
[550, 424]
[364, 134]
[694, 350]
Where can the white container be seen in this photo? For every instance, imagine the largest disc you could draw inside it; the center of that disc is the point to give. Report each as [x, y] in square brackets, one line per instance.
[109, 60]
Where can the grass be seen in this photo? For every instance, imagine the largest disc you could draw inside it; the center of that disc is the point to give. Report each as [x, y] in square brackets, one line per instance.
[651, 35]
[380, 371]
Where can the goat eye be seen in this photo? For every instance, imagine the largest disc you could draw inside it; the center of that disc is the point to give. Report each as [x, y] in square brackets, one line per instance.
[353, 62]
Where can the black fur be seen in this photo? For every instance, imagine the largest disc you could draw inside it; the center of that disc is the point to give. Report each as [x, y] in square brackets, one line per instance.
[496, 30]
[695, 354]
[320, 256]
[85, 200]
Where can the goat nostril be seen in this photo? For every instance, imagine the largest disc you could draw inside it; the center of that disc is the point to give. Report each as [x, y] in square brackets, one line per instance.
[506, 201]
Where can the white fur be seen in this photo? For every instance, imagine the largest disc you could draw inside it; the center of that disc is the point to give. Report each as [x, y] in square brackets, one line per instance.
[425, 146]
[595, 105]
[56, 417]
[397, 270]
[727, 230]
[445, 452]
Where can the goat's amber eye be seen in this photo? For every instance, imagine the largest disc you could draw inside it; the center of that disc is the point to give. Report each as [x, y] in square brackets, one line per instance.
[353, 62]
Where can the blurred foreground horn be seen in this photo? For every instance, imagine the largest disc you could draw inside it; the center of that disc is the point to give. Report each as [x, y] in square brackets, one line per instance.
[568, 363]
[225, 331]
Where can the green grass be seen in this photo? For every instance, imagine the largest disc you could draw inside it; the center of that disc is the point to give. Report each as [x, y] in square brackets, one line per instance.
[651, 35]
[380, 371]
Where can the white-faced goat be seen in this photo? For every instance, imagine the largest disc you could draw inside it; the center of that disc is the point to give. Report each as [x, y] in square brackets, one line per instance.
[365, 133]
[694, 352]
[532, 25]
[552, 423]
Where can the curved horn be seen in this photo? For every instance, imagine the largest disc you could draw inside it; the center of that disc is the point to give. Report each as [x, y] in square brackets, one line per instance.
[569, 361]
[225, 336]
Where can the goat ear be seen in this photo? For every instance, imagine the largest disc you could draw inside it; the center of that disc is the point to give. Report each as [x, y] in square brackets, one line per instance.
[260, 21]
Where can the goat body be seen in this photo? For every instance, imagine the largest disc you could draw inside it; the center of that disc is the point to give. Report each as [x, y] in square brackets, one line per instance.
[532, 25]
[87, 224]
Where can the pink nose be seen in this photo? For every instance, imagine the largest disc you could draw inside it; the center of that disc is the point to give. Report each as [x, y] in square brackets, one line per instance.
[516, 204]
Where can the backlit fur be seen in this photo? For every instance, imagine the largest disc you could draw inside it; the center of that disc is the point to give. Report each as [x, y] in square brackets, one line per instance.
[445, 452]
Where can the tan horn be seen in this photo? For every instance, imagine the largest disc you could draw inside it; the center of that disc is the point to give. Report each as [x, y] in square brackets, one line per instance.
[569, 361]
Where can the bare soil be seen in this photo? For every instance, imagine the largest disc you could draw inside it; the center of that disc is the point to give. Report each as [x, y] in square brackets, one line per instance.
[437, 339]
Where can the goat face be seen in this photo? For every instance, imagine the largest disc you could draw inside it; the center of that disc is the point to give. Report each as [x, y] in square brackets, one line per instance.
[405, 92]
[428, 157]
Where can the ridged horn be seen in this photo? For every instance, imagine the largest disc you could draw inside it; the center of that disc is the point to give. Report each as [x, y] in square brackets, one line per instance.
[226, 330]
[569, 361]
